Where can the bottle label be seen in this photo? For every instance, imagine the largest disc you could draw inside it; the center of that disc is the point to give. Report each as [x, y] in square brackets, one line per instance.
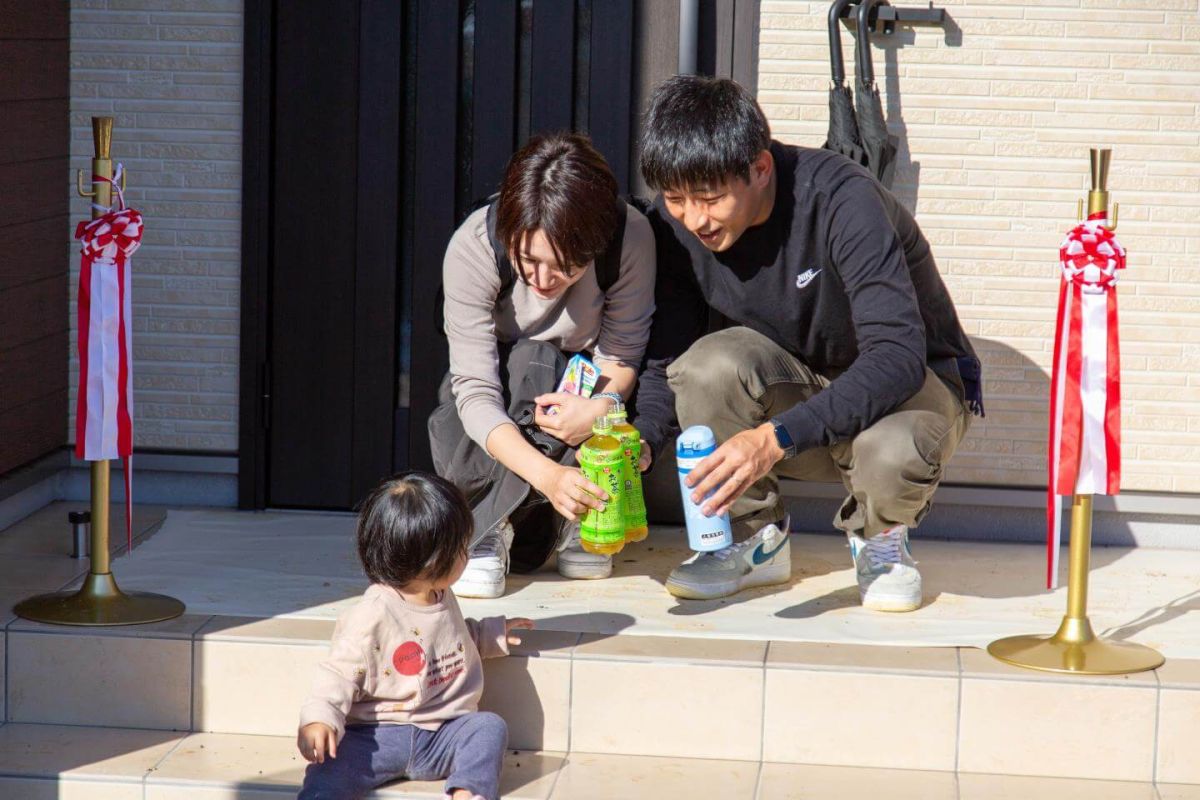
[604, 468]
[705, 534]
[635, 502]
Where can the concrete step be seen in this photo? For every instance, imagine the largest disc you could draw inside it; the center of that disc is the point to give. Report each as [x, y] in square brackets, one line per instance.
[935, 709]
[50, 762]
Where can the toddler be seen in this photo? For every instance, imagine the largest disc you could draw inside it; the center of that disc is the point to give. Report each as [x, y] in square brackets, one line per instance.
[399, 694]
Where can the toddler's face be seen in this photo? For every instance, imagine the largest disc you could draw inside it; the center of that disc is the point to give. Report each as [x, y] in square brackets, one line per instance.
[460, 566]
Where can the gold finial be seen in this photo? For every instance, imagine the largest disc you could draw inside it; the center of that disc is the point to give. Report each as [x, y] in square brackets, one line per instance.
[102, 136]
[1098, 196]
[1100, 161]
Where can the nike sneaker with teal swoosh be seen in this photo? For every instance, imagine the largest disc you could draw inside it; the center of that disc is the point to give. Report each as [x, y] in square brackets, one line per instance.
[888, 579]
[764, 559]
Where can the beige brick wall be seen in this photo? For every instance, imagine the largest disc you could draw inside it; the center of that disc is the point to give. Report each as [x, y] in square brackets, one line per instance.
[170, 72]
[997, 113]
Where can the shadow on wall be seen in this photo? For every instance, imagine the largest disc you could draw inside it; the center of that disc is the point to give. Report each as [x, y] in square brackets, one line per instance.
[908, 172]
[1004, 450]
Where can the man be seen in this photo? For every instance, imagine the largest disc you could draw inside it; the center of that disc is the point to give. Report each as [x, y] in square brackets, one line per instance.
[845, 360]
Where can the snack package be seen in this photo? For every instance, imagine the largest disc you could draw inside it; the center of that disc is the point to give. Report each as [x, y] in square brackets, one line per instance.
[579, 378]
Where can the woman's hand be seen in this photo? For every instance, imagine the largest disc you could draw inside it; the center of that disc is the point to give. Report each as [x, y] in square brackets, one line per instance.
[315, 740]
[573, 419]
[516, 623]
[570, 492]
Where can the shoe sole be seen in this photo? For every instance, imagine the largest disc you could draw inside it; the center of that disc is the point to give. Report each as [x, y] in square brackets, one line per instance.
[894, 604]
[891, 606]
[584, 572]
[767, 576]
[478, 591]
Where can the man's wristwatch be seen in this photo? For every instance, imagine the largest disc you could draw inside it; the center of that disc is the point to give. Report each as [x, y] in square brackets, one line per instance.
[784, 439]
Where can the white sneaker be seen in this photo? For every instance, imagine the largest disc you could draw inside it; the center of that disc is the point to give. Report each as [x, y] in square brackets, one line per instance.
[762, 560]
[488, 564]
[578, 564]
[888, 579]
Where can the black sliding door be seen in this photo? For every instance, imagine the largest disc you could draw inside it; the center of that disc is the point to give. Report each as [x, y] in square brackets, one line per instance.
[368, 134]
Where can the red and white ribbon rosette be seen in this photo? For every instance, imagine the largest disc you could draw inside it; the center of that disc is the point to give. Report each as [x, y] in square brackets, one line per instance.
[1085, 388]
[104, 409]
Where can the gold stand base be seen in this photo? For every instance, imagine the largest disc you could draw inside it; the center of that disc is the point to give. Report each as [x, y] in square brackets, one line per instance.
[1075, 649]
[99, 602]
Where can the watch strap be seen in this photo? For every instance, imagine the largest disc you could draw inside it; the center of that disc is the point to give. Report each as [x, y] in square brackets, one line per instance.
[614, 396]
[784, 439]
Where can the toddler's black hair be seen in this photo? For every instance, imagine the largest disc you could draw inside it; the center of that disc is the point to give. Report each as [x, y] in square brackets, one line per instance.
[413, 525]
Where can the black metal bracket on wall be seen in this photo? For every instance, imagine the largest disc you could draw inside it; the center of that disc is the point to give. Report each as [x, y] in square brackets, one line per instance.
[887, 15]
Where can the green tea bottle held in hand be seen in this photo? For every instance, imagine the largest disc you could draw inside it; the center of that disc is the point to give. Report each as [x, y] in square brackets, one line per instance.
[636, 528]
[601, 457]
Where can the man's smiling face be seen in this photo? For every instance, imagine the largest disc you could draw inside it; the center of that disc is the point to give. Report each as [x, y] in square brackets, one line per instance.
[719, 213]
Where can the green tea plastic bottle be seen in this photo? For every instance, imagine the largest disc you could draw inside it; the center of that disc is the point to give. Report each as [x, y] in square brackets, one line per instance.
[636, 528]
[601, 457]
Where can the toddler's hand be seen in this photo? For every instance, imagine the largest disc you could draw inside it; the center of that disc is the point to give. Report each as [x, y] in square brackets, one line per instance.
[516, 623]
[315, 740]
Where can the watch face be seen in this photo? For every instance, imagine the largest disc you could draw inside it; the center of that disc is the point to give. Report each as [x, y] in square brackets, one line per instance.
[782, 437]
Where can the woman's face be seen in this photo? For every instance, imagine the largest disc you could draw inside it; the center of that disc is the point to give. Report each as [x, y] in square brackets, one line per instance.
[541, 270]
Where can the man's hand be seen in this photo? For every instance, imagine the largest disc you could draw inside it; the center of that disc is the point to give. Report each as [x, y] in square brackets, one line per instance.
[315, 740]
[570, 492]
[516, 623]
[572, 421]
[735, 466]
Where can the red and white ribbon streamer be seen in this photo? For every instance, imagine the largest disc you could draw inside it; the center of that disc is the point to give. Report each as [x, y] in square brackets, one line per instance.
[1085, 387]
[104, 409]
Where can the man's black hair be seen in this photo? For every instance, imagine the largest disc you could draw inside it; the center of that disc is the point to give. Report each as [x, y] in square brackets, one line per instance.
[414, 525]
[701, 131]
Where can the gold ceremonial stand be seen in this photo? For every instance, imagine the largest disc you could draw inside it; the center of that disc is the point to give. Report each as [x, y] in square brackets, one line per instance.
[99, 601]
[1075, 648]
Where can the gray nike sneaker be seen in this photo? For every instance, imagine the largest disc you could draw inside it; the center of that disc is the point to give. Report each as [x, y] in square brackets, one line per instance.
[762, 560]
[888, 579]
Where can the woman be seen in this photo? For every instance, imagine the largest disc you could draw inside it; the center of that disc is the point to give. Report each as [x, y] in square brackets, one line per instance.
[557, 264]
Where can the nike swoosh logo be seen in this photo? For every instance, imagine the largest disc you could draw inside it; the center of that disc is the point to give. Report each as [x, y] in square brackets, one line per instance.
[807, 277]
[762, 557]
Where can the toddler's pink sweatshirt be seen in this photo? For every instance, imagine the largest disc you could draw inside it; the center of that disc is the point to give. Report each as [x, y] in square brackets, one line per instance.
[392, 661]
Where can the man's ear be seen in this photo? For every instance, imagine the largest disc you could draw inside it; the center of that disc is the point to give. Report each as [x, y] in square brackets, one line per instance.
[762, 169]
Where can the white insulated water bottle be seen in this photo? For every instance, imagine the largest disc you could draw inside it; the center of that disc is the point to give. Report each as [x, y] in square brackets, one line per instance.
[705, 534]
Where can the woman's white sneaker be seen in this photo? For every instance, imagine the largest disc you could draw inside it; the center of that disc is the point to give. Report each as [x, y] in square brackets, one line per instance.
[578, 564]
[888, 579]
[487, 566]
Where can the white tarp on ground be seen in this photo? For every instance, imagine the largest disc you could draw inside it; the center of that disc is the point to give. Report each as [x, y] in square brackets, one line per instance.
[304, 565]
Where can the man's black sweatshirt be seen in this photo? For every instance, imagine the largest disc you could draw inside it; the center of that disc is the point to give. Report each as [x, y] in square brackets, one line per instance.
[839, 275]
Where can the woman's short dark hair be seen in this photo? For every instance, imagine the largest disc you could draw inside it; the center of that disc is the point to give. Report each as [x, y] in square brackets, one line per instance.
[413, 525]
[701, 131]
[562, 185]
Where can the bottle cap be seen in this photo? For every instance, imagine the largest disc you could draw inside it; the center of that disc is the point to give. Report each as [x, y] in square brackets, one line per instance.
[602, 425]
[696, 442]
[618, 411]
